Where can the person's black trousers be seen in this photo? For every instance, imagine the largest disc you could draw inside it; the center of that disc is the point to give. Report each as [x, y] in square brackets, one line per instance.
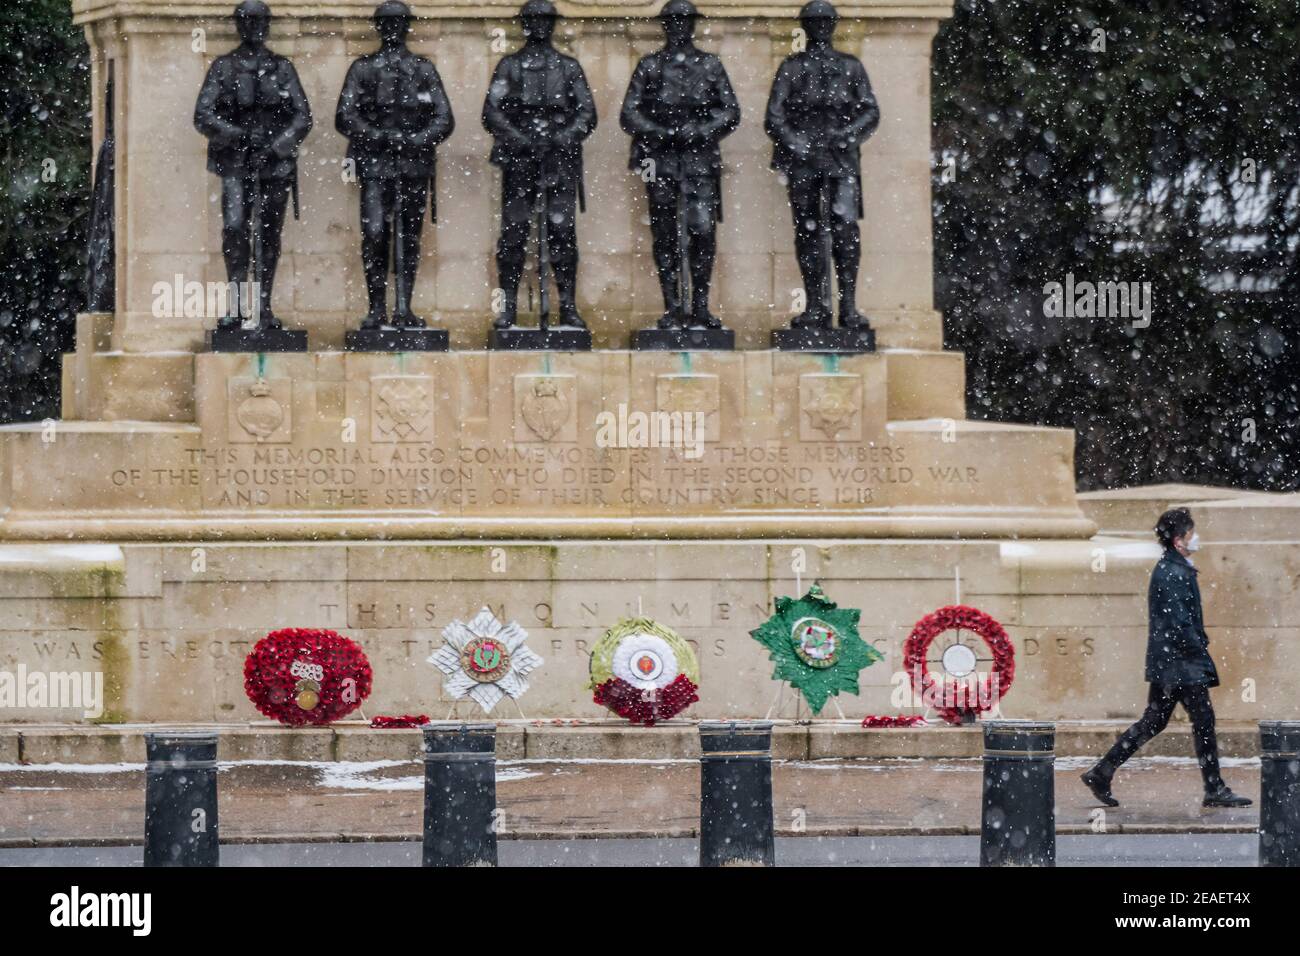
[1160, 705]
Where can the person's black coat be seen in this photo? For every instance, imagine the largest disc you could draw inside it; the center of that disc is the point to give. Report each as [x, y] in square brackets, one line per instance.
[1177, 646]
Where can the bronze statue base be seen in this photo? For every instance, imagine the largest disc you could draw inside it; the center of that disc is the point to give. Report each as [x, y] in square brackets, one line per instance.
[684, 340]
[257, 340]
[824, 340]
[395, 340]
[557, 338]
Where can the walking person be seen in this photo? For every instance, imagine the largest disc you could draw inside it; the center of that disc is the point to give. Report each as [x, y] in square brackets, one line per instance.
[1178, 667]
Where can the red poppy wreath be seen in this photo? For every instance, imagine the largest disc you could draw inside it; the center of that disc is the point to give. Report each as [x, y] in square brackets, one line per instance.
[955, 699]
[301, 676]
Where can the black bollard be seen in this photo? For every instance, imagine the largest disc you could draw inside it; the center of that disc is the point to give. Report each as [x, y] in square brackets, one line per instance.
[1279, 793]
[736, 827]
[460, 794]
[1018, 824]
[180, 799]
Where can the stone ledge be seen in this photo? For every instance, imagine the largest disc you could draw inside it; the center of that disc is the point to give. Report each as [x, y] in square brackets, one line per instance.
[584, 740]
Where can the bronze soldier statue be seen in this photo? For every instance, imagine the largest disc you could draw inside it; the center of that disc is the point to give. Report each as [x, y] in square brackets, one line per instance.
[394, 112]
[820, 111]
[679, 106]
[255, 115]
[539, 109]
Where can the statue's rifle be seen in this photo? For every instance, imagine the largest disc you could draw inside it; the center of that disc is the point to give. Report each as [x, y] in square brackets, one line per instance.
[683, 242]
[824, 217]
[255, 163]
[543, 244]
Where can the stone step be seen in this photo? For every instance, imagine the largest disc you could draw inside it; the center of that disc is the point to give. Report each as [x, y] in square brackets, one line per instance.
[582, 740]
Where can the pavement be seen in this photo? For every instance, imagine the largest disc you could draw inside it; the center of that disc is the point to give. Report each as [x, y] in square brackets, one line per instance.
[263, 802]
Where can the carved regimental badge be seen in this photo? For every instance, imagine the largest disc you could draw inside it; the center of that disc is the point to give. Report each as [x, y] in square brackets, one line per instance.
[830, 407]
[401, 408]
[259, 410]
[692, 394]
[544, 408]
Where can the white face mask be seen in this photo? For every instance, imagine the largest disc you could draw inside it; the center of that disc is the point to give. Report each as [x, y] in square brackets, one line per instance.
[1194, 542]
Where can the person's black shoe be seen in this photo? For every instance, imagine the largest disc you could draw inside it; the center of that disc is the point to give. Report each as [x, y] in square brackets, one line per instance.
[1224, 797]
[1100, 787]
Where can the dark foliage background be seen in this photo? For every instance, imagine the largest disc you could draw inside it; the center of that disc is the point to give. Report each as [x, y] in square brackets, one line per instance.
[1112, 164]
[44, 115]
[1108, 164]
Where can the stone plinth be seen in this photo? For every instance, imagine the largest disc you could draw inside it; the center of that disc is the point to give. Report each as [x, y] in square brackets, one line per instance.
[609, 444]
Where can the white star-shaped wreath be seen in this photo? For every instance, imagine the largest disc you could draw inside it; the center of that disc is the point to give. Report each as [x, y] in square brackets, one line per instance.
[488, 688]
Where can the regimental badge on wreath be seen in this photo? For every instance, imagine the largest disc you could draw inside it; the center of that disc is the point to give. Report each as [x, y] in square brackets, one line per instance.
[815, 646]
[485, 660]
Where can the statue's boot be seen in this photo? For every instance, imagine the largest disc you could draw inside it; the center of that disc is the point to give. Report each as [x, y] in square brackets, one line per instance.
[672, 317]
[566, 282]
[815, 318]
[701, 317]
[408, 320]
[374, 320]
[853, 319]
[269, 320]
[569, 316]
[266, 318]
[235, 315]
[509, 311]
[403, 317]
[847, 281]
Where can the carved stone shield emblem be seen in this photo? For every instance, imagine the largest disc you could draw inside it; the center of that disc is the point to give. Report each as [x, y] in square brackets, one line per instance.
[260, 410]
[545, 406]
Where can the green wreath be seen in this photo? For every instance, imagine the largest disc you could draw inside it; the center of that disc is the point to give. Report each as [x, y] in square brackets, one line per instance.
[815, 646]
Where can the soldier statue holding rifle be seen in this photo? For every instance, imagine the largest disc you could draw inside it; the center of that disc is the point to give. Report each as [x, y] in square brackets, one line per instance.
[395, 112]
[820, 111]
[679, 105]
[254, 112]
[539, 109]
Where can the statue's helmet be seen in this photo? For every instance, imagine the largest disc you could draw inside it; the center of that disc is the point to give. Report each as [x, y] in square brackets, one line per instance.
[252, 10]
[392, 8]
[537, 9]
[678, 10]
[818, 10]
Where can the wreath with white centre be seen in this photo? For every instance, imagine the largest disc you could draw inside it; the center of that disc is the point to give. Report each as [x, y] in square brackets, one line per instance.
[644, 672]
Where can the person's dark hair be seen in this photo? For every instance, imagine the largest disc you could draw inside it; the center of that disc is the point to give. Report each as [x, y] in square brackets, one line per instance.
[1174, 523]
